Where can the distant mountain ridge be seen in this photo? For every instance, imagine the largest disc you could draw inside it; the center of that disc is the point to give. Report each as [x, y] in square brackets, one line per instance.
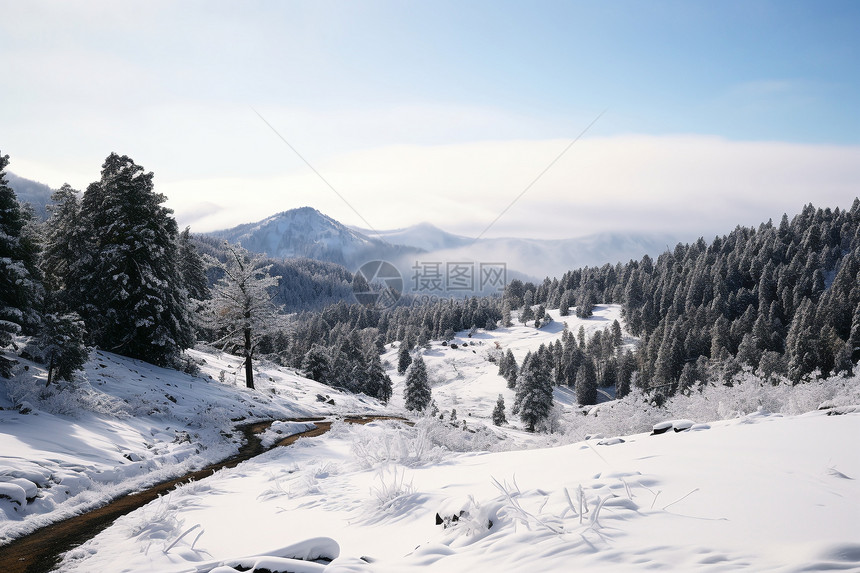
[28, 191]
[306, 232]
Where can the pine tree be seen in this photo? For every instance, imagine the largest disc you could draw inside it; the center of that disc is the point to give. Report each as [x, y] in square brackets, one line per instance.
[564, 304]
[404, 359]
[63, 241]
[585, 304]
[506, 314]
[534, 399]
[417, 391]
[617, 338]
[241, 307]
[191, 268]
[61, 342]
[128, 285]
[626, 367]
[511, 369]
[316, 364]
[527, 314]
[499, 417]
[20, 285]
[377, 382]
[586, 383]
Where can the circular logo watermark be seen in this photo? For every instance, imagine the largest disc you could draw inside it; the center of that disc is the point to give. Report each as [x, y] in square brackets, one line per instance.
[377, 283]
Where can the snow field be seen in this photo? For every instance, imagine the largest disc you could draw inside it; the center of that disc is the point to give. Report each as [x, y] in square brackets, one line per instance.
[464, 379]
[757, 493]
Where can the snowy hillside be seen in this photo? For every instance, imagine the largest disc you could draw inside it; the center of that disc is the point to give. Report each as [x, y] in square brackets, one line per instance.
[127, 424]
[464, 377]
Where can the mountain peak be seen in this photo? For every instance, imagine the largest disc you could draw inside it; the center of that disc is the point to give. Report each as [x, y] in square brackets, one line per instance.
[307, 232]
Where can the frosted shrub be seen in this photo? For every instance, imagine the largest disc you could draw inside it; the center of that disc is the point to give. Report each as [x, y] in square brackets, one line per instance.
[390, 488]
[427, 441]
[392, 443]
[747, 395]
[69, 398]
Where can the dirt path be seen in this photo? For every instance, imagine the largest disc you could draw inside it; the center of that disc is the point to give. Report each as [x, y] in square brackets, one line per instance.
[40, 551]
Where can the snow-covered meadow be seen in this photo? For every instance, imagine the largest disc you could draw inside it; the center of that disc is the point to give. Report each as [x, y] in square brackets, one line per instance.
[751, 477]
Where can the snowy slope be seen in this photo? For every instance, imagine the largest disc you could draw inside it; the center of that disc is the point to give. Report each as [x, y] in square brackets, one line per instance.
[465, 378]
[127, 424]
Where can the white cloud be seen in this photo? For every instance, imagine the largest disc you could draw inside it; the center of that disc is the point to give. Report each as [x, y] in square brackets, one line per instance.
[683, 184]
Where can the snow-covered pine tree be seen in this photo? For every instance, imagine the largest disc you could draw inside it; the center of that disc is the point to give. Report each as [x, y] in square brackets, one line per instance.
[511, 369]
[61, 342]
[191, 268]
[499, 417]
[20, 284]
[131, 293]
[506, 314]
[564, 303]
[316, 364]
[586, 383]
[534, 389]
[241, 308]
[377, 383]
[417, 391]
[404, 359]
[62, 241]
[527, 314]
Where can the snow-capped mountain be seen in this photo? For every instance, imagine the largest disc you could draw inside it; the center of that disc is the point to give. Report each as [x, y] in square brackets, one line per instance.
[306, 232]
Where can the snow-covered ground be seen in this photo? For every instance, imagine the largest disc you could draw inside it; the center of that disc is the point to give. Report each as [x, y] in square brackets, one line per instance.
[464, 379]
[759, 493]
[740, 488]
[127, 424]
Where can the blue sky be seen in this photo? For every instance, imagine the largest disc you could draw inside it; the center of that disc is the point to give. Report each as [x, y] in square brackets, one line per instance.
[716, 113]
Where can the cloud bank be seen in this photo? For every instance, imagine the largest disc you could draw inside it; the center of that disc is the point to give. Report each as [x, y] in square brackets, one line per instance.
[686, 185]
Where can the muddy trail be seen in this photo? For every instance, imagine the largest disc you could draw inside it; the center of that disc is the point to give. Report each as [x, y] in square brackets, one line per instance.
[40, 551]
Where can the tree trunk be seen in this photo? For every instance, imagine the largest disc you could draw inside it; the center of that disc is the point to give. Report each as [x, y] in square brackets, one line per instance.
[50, 371]
[249, 371]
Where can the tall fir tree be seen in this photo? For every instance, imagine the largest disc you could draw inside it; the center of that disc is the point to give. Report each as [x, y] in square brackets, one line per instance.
[63, 243]
[499, 417]
[191, 268]
[20, 285]
[534, 401]
[316, 364]
[129, 288]
[417, 390]
[404, 359]
[511, 369]
[586, 383]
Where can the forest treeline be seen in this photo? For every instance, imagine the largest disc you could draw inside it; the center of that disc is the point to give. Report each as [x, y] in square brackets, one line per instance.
[110, 269]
